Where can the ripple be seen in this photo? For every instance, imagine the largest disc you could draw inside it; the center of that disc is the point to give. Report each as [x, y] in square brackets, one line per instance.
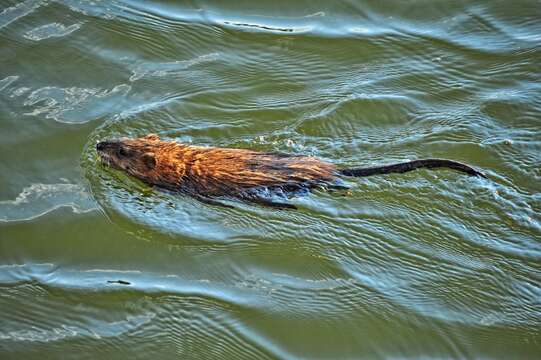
[421, 264]
[51, 30]
[73, 104]
[171, 68]
[107, 10]
[5, 82]
[40, 199]
[43, 335]
[22, 9]
[183, 315]
[44, 329]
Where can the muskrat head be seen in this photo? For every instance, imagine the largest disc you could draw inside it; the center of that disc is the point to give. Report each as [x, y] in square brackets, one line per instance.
[135, 156]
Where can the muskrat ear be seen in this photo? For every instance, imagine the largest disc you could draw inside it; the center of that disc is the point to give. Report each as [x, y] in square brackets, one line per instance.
[152, 137]
[149, 160]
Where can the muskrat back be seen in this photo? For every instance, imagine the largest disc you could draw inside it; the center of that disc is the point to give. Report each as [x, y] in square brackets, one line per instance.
[207, 172]
[211, 171]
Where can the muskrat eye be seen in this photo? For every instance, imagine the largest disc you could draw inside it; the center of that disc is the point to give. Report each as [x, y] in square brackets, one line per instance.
[122, 152]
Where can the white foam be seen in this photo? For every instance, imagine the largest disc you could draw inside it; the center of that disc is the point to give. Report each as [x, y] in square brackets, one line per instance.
[19, 91]
[42, 335]
[39, 199]
[51, 30]
[5, 82]
[13, 13]
[55, 102]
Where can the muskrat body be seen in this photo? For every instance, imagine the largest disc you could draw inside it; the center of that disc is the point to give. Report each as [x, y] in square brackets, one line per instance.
[208, 173]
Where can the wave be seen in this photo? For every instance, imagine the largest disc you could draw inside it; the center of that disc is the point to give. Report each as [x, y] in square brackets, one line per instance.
[40, 199]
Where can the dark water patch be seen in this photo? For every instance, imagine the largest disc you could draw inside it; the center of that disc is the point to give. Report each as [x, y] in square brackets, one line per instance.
[258, 26]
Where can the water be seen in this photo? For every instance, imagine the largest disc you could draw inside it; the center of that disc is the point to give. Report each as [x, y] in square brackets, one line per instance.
[424, 264]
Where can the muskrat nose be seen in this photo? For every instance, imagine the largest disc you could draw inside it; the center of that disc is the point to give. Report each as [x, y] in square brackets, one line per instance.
[100, 146]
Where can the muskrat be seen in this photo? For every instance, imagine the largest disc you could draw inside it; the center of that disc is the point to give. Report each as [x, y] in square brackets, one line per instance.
[208, 173]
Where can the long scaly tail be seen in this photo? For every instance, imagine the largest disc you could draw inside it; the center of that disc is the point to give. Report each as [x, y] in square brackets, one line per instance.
[412, 165]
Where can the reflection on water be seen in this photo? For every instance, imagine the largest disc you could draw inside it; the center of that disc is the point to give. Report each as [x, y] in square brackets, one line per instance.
[424, 264]
[38, 199]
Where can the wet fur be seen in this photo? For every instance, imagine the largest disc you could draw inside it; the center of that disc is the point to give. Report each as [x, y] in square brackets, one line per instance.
[210, 172]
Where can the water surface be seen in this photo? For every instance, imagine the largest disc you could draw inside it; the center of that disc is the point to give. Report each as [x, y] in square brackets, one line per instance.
[424, 264]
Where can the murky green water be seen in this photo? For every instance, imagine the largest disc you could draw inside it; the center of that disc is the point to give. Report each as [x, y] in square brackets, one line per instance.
[424, 264]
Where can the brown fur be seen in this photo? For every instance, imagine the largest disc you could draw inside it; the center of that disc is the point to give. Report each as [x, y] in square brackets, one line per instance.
[212, 171]
[207, 172]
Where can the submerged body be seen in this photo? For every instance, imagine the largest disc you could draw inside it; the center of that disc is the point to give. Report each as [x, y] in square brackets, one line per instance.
[210, 172]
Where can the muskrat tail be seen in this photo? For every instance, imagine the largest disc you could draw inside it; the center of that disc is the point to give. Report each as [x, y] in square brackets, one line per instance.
[412, 165]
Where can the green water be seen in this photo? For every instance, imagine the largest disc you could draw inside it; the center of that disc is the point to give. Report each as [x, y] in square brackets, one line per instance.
[428, 264]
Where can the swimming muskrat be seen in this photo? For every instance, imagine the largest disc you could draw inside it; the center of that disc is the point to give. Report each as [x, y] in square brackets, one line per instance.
[207, 173]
